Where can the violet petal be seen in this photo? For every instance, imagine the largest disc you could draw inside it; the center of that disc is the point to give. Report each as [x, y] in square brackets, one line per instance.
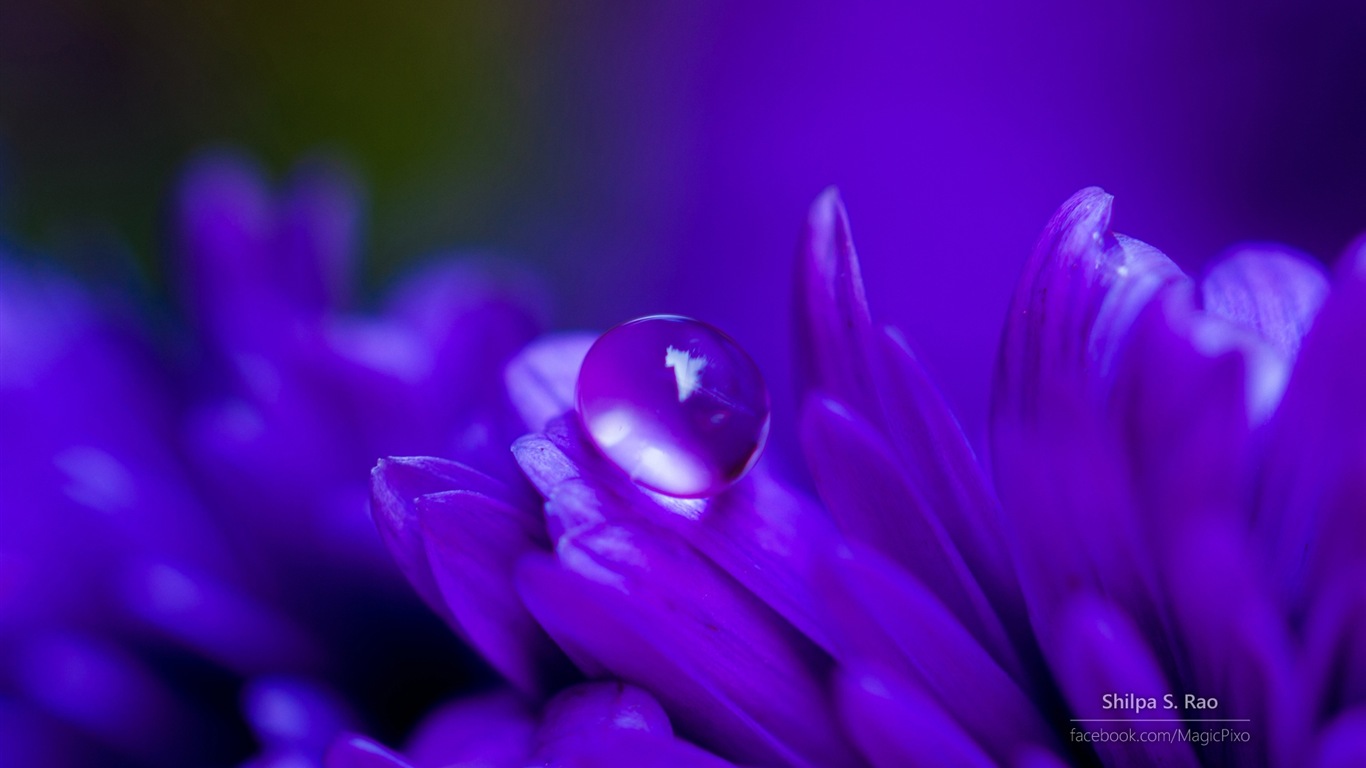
[541, 379]
[880, 614]
[1343, 743]
[492, 729]
[290, 714]
[832, 319]
[643, 606]
[353, 751]
[1334, 636]
[1096, 650]
[472, 545]
[1268, 288]
[318, 234]
[863, 487]
[895, 725]
[585, 712]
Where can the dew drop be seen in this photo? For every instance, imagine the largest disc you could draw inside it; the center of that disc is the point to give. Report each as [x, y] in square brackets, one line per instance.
[674, 402]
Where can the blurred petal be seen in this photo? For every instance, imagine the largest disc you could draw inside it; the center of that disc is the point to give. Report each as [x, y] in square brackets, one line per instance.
[1270, 289]
[492, 730]
[472, 545]
[638, 750]
[318, 234]
[1343, 743]
[1237, 646]
[1312, 487]
[1335, 635]
[584, 713]
[1098, 651]
[352, 751]
[832, 319]
[895, 725]
[291, 714]
[881, 615]
[864, 489]
[635, 601]
[542, 377]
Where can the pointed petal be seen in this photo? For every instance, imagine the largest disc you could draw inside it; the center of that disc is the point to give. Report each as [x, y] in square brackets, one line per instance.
[868, 496]
[1312, 485]
[353, 751]
[1343, 742]
[472, 543]
[833, 323]
[1096, 651]
[492, 729]
[941, 465]
[395, 485]
[880, 615]
[634, 601]
[318, 233]
[894, 724]
[586, 712]
[542, 378]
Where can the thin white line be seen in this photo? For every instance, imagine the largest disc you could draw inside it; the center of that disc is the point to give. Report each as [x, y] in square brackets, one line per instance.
[1157, 720]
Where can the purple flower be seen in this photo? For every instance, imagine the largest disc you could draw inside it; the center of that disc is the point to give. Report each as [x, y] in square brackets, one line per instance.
[186, 506]
[1174, 508]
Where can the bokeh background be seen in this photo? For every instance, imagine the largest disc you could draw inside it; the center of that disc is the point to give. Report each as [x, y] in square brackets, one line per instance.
[660, 157]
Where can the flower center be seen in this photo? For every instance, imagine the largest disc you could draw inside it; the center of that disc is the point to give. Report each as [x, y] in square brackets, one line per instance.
[675, 403]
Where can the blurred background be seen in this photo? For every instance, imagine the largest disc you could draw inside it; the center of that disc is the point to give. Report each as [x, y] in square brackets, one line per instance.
[660, 157]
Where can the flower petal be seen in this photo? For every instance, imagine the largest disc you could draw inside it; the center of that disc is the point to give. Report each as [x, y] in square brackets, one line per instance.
[632, 600]
[880, 615]
[1335, 635]
[585, 712]
[1096, 651]
[1268, 288]
[1312, 490]
[292, 714]
[542, 378]
[472, 544]
[941, 465]
[832, 323]
[492, 729]
[894, 724]
[318, 234]
[395, 485]
[638, 750]
[863, 487]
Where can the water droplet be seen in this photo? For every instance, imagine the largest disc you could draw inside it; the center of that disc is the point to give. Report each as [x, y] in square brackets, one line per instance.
[675, 403]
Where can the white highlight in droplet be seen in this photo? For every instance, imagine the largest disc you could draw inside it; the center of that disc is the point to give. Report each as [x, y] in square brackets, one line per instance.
[687, 370]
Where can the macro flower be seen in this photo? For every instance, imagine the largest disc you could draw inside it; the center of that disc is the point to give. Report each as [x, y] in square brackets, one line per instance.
[1174, 507]
[185, 509]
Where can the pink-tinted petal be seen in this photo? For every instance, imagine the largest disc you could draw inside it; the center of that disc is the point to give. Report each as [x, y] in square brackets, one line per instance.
[473, 542]
[492, 730]
[880, 615]
[867, 494]
[636, 602]
[541, 378]
[1270, 289]
[1096, 651]
[832, 319]
[894, 724]
[1343, 743]
[1311, 487]
[584, 713]
[352, 751]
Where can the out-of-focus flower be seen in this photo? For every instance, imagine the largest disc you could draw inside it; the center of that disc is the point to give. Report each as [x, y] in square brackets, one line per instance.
[1176, 509]
[187, 511]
